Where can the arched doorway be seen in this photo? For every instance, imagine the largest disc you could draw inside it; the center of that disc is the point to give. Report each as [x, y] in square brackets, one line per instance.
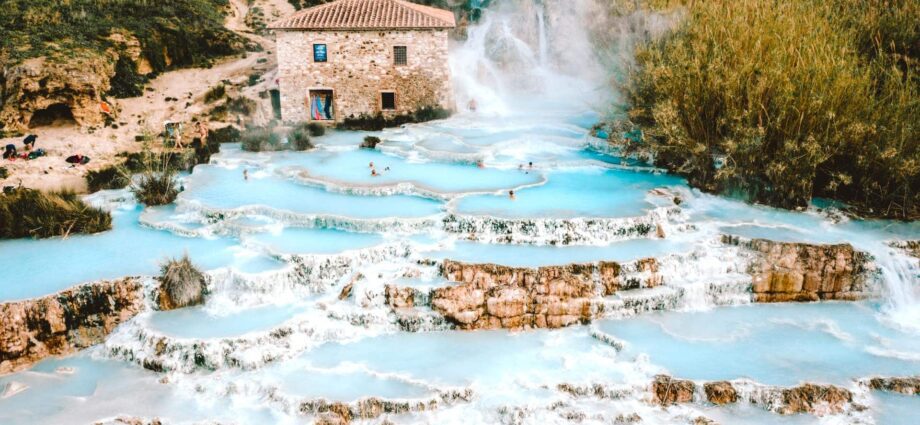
[58, 114]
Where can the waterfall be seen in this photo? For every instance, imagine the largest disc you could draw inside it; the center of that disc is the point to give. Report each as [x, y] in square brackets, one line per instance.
[901, 275]
[541, 31]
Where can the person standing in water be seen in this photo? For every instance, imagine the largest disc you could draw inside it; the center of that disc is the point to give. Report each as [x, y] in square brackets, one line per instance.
[246, 174]
[511, 194]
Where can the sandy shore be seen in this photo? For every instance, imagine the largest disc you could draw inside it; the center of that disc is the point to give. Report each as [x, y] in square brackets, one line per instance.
[147, 113]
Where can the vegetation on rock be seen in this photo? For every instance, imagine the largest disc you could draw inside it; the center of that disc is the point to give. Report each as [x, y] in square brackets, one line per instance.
[172, 33]
[780, 102]
[181, 284]
[30, 213]
[379, 122]
[259, 139]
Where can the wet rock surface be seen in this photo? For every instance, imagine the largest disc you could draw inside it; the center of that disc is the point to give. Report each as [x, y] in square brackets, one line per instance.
[815, 399]
[905, 385]
[65, 322]
[786, 271]
[720, 392]
[667, 390]
[491, 296]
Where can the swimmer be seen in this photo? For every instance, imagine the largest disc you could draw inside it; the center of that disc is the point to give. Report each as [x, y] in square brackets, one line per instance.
[511, 194]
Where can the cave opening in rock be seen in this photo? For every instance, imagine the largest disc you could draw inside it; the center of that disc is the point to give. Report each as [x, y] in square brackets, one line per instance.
[58, 114]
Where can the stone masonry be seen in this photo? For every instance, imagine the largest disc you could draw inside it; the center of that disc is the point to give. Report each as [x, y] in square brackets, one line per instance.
[360, 65]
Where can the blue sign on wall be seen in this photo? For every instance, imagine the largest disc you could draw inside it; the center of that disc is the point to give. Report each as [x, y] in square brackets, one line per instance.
[319, 53]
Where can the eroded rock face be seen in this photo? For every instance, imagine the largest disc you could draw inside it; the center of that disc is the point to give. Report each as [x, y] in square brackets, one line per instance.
[908, 385]
[65, 322]
[76, 84]
[720, 392]
[667, 390]
[490, 296]
[910, 247]
[812, 398]
[785, 271]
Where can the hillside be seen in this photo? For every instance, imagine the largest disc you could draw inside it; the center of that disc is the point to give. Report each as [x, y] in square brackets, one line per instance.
[61, 59]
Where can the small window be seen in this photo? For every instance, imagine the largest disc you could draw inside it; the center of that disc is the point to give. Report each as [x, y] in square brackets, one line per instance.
[319, 53]
[388, 101]
[400, 56]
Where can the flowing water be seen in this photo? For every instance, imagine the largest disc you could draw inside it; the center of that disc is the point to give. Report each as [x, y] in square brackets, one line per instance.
[273, 335]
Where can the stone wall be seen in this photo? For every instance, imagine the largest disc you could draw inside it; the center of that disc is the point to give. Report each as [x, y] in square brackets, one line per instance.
[787, 271]
[491, 296]
[360, 66]
[65, 322]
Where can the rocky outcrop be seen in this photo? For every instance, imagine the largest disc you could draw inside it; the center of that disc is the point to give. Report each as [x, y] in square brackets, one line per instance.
[490, 296]
[720, 392]
[65, 322]
[667, 390]
[806, 398]
[908, 385]
[72, 87]
[910, 247]
[335, 412]
[787, 271]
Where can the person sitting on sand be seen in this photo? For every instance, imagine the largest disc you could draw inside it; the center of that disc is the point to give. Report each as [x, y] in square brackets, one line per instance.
[10, 152]
[29, 142]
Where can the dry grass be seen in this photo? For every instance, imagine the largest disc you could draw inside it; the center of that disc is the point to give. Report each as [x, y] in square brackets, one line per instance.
[800, 98]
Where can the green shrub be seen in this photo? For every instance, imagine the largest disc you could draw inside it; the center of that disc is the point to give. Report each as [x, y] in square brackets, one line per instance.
[783, 101]
[370, 142]
[228, 134]
[239, 105]
[30, 213]
[156, 183]
[299, 138]
[316, 129]
[215, 93]
[379, 122]
[181, 33]
[258, 139]
[126, 82]
[254, 79]
[110, 177]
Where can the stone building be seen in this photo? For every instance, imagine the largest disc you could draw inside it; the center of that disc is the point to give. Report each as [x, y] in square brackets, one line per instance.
[349, 58]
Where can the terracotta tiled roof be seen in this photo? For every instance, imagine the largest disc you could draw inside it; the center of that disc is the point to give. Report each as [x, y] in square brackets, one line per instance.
[367, 15]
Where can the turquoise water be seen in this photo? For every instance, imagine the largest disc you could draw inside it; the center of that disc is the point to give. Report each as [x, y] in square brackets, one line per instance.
[591, 192]
[222, 188]
[535, 256]
[278, 345]
[198, 323]
[778, 344]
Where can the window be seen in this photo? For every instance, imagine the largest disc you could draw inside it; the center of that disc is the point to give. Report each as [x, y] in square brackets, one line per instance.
[400, 56]
[319, 53]
[321, 107]
[388, 101]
